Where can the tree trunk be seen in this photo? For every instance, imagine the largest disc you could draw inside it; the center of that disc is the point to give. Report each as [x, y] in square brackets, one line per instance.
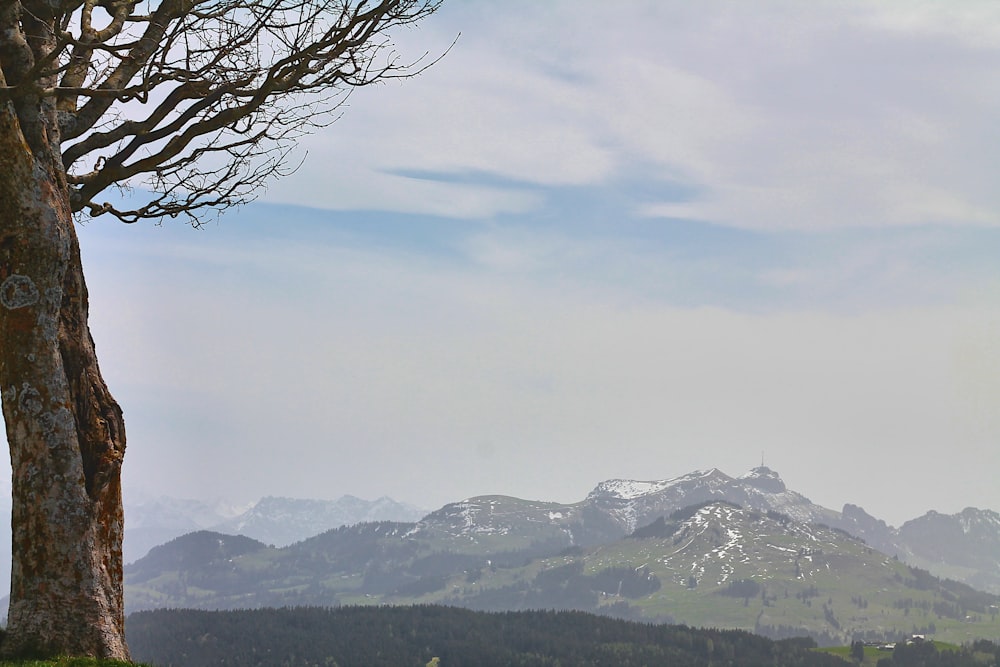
[65, 431]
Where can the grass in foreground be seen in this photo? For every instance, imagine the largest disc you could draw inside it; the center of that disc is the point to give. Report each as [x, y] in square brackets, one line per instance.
[70, 662]
[874, 654]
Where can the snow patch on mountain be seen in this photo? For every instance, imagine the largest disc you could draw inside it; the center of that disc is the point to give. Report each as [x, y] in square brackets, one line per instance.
[629, 489]
[975, 520]
[763, 478]
[150, 521]
[283, 521]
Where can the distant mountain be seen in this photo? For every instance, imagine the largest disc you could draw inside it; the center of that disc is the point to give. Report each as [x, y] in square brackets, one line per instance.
[282, 521]
[612, 510]
[615, 508]
[153, 521]
[278, 521]
[194, 551]
[875, 532]
[717, 565]
[634, 503]
[963, 546]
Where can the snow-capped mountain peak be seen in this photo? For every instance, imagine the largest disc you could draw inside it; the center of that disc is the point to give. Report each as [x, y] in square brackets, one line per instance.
[633, 502]
[629, 489]
[282, 521]
[763, 478]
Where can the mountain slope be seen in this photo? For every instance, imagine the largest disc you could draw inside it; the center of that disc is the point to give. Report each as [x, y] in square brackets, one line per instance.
[272, 520]
[758, 556]
[717, 565]
[282, 521]
[612, 510]
[963, 546]
[634, 503]
[153, 521]
[727, 566]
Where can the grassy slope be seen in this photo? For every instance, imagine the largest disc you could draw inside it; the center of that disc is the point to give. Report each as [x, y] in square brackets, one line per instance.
[862, 588]
[807, 575]
[874, 654]
[69, 662]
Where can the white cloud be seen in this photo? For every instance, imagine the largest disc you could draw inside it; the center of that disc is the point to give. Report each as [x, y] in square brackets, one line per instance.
[537, 362]
[783, 115]
[975, 23]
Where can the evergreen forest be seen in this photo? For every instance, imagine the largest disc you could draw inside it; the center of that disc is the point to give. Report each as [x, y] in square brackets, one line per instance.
[452, 637]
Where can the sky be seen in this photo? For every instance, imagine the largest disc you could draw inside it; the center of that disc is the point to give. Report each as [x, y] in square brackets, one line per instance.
[595, 240]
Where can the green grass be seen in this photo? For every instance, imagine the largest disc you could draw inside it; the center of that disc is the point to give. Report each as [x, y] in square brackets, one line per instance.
[70, 662]
[874, 654]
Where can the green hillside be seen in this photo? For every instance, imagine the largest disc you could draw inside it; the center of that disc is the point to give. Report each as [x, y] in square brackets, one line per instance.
[734, 568]
[718, 565]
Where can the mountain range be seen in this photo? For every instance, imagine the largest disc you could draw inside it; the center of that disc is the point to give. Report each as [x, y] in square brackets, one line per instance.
[964, 546]
[272, 520]
[702, 549]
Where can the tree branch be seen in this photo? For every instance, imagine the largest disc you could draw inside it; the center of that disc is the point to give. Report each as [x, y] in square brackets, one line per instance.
[152, 94]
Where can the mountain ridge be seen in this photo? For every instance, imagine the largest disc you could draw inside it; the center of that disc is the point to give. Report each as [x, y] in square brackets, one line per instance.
[497, 552]
[716, 564]
[278, 520]
[615, 508]
[281, 520]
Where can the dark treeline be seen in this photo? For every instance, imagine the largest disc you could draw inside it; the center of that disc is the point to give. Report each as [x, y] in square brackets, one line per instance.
[926, 654]
[403, 636]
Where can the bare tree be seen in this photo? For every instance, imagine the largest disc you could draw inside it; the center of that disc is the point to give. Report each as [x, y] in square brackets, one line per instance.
[196, 102]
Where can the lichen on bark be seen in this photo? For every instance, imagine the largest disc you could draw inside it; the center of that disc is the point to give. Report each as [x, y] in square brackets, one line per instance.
[65, 431]
[218, 95]
[18, 291]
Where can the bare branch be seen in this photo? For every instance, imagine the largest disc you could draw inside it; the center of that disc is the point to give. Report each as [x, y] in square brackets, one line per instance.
[201, 100]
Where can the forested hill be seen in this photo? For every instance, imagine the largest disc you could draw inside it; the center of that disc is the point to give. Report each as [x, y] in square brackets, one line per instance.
[414, 636]
[713, 565]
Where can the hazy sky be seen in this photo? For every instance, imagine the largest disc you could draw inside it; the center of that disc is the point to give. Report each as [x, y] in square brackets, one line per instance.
[597, 240]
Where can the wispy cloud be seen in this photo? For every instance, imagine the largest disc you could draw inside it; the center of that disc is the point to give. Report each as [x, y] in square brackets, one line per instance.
[597, 239]
[784, 116]
[314, 364]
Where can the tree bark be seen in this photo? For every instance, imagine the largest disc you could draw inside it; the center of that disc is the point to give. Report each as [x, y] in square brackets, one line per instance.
[65, 431]
[222, 94]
